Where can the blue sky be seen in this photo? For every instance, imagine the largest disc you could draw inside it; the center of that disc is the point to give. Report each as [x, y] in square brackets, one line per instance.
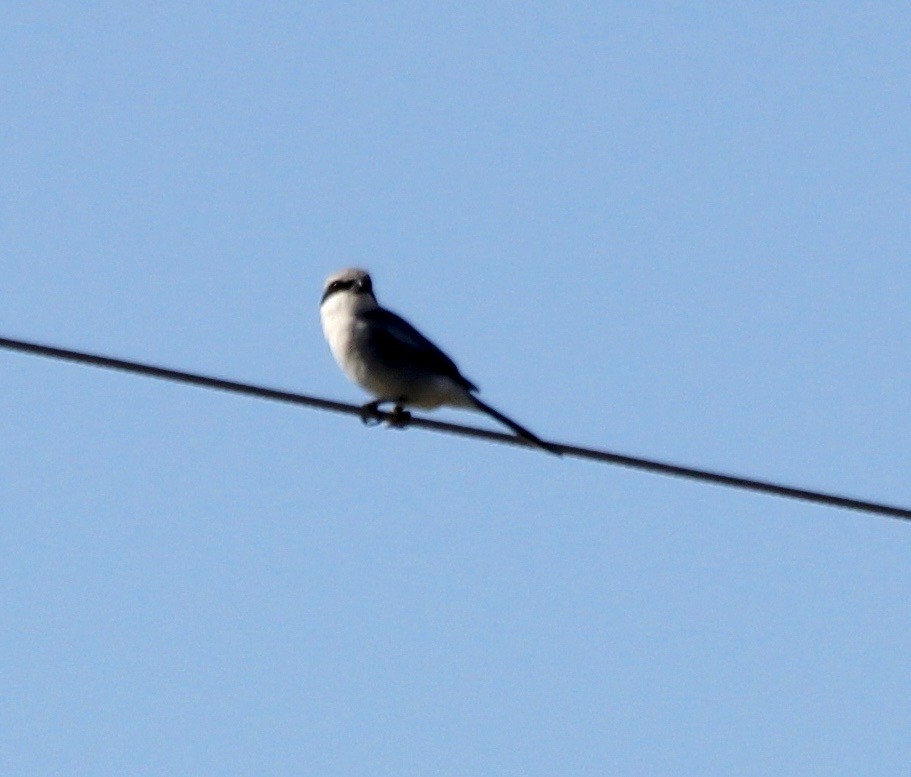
[668, 231]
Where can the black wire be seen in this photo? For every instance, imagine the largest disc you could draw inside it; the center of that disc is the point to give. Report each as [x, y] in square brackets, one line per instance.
[648, 465]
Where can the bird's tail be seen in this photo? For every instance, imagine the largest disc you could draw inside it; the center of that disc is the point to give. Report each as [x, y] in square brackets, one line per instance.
[521, 431]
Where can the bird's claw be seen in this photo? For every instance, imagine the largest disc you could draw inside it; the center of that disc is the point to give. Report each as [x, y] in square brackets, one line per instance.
[399, 418]
[370, 414]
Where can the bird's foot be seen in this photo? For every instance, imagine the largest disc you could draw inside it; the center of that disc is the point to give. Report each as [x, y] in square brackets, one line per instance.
[370, 414]
[399, 418]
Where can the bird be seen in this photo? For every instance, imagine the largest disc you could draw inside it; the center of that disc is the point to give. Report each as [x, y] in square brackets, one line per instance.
[390, 359]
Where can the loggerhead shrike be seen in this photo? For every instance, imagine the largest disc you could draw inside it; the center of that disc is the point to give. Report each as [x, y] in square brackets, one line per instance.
[387, 357]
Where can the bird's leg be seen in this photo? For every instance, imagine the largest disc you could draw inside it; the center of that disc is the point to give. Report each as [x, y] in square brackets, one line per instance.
[399, 418]
[370, 413]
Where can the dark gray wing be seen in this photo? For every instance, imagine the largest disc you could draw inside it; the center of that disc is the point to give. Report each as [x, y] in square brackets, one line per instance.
[402, 347]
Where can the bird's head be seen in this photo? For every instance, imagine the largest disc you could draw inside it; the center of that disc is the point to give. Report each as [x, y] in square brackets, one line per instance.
[353, 284]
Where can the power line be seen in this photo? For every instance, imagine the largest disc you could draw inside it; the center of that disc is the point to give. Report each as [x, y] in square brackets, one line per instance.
[649, 465]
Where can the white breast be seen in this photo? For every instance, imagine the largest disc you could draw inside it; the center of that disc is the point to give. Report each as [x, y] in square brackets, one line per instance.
[337, 319]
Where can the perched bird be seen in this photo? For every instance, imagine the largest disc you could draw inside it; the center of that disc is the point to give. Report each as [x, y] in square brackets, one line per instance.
[390, 359]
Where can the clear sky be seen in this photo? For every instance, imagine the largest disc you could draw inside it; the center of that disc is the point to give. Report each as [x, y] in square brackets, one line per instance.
[678, 231]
